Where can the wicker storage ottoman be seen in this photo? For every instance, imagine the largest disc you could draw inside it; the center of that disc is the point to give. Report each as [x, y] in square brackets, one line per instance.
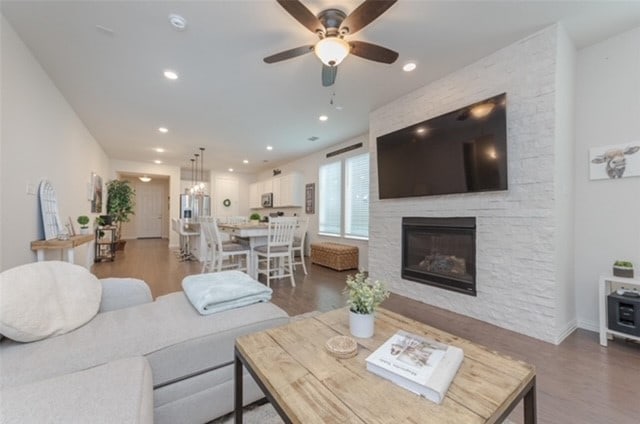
[335, 255]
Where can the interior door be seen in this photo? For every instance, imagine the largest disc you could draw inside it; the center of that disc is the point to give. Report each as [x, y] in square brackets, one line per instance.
[149, 209]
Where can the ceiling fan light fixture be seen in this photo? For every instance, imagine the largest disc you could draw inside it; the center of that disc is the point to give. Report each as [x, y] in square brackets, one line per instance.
[332, 50]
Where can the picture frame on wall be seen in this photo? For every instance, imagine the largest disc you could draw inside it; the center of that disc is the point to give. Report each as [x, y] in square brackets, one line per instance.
[310, 198]
[614, 161]
[96, 202]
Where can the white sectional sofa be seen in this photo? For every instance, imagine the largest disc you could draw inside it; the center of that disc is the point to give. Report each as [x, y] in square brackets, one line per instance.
[157, 354]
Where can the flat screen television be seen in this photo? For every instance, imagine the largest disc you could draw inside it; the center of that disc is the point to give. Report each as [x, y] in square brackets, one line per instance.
[462, 151]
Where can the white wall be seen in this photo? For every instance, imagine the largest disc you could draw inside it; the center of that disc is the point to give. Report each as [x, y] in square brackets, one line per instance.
[308, 166]
[607, 212]
[173, 172]
[517, 267]
[42, 137]
[232, 186]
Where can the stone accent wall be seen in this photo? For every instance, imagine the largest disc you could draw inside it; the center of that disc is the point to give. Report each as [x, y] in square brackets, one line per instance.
[516, 266]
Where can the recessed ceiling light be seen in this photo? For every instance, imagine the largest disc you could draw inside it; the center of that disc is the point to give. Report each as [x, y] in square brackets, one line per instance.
[178, 22]
[323, 118]
[408, 67]
[158, 162]
[170, 75]
[163, 130]
[421, 130]
[230, 169]
[245, 161]
[339, 107]
[269, 147]
[159, 149]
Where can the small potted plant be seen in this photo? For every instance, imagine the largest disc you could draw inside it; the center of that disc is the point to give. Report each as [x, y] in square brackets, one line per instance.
[623, 269]
[83, 220]
[364, 298]
[254, 217]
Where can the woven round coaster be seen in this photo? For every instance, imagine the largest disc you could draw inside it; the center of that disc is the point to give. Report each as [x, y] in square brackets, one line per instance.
[342, 347]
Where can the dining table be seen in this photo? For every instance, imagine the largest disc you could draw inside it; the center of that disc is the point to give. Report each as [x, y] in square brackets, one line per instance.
[249, 233]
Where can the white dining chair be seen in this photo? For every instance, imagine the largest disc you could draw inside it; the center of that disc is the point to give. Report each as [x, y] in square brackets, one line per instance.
[299, 239]
[221, 251]
[276, 255]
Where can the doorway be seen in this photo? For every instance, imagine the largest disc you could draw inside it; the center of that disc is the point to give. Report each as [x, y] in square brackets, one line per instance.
[150, 208]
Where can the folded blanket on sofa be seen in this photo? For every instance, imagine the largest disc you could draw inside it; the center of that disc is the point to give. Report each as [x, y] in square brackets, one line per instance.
[220, 291]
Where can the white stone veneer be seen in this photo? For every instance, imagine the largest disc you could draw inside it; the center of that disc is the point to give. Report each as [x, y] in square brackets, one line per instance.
[516, 267]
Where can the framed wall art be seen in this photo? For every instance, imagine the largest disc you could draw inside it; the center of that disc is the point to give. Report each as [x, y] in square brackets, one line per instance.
[96, 202]
[614, 161]
[310, 198]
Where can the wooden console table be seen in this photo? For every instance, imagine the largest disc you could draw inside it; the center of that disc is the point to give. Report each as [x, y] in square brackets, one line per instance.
[305, 384]
[63, 245]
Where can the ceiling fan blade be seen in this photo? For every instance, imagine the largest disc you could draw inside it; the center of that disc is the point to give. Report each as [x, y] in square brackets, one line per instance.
[373, 52]
[302, 15]
[288, 54]
[329, 75]
[364, 14]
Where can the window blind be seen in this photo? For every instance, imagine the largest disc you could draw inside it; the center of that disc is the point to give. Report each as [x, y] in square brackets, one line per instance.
[330, 198]
[357, 196]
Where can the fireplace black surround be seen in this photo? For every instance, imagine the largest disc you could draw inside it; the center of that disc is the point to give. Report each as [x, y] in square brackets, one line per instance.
[440, 252]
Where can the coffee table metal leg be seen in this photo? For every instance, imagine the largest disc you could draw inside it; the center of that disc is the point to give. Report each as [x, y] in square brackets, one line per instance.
[238, 388]
[530, 405]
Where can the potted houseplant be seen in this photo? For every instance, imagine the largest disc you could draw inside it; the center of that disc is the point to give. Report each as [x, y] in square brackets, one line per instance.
[120, 203]
[83, 220]
[254, 217]
[623, 269]
[364, 298]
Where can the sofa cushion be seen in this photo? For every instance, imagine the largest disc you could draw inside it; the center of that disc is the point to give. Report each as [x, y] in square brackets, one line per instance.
[42, 299]
[118, 392]
[118, 293]
[176, 339]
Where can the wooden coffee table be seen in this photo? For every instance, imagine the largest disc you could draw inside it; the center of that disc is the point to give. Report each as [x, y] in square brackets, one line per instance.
[305, 384]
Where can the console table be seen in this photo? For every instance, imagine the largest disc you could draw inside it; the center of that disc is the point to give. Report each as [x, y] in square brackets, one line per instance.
[65, 246]
[305, 384]
[604, 288]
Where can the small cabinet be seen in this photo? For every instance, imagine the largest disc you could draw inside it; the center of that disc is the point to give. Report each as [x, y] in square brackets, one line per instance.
[105, 244]
[290, 191]
[254, 196]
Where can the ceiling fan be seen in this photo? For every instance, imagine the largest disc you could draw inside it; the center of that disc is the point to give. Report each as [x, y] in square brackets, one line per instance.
[332, 26]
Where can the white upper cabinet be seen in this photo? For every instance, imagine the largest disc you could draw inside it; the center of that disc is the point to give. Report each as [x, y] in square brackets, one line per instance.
[287, 191]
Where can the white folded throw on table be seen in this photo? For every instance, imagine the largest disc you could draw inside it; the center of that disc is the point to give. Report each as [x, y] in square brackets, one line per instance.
[220, 291]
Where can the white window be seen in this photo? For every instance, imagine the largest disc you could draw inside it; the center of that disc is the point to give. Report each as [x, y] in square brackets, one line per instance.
[330, 199]
[355, 193]
[356, 196]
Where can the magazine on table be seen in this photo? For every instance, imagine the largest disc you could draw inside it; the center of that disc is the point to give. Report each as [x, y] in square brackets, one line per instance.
[419, 364]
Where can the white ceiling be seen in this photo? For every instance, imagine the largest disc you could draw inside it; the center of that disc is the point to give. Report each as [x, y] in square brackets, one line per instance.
[232, 103]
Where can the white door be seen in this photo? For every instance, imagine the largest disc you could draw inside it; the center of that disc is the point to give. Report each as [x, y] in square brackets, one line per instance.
[149, 209]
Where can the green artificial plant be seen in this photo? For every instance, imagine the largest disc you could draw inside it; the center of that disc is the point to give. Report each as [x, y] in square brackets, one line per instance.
[83, 220]
[624, 264]
[254, 216]
[120, 203]
[364, 296]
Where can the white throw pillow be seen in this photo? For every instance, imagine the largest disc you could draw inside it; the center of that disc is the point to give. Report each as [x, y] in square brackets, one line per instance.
[44, 299]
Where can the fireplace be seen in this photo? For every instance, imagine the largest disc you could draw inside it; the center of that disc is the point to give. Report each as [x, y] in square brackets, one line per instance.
[440, 252]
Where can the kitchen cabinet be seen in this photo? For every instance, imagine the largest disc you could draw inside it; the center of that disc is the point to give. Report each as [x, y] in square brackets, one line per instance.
[254, 196]
[288, 191]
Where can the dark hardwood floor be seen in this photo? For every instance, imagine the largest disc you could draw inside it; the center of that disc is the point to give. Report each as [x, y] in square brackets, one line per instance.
[578, 381]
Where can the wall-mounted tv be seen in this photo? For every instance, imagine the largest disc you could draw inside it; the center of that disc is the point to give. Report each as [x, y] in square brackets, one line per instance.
[462, 151]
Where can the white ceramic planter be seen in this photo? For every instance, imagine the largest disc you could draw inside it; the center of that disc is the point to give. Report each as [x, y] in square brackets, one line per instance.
[85, 231]
[361, 325]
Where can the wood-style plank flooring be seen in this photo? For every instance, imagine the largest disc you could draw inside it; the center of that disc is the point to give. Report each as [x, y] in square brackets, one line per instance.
[578, 381]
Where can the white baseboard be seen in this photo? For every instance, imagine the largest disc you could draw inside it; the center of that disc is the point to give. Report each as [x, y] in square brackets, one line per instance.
[589, 325]
[568, 329]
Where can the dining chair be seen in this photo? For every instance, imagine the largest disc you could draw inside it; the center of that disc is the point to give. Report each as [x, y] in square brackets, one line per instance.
[299, 238]
[278, 247]
[221, 250]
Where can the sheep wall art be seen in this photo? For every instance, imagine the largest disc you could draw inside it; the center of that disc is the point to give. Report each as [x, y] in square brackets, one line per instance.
[617, 161]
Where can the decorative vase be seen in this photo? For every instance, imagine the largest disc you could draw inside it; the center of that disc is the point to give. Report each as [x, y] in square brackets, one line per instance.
[85, 231]
[361, 325]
